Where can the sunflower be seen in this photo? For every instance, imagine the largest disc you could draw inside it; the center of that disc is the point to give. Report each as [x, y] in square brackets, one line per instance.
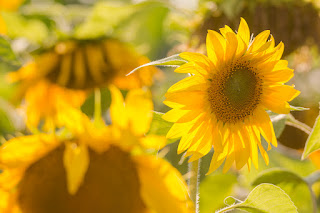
[11, 5]
[222, 104]
[72, 68]
[87, 64]
[90, 169]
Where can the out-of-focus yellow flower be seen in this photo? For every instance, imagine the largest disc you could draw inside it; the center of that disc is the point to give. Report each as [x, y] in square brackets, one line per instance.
[47, 101]
[3, 28]
[10, 5]
[91, 63]
[223, 103]
[77, 65]
[91, 171]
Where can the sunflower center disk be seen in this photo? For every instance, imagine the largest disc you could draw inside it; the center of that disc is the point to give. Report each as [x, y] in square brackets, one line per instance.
[111, 184]
[235, 92]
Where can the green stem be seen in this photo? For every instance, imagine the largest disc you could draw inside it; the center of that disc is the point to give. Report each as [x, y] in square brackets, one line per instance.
[311, 179]
[97, 106]
[291, 121]
[194, 171]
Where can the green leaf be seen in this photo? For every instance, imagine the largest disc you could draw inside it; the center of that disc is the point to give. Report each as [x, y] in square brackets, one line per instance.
[295, 108]
[294, 185]
[313, 141]
[6, 53]
[213, 189]
[171, 61]
[88, 106]
[279, 122]
[160, 127]
[265, 198]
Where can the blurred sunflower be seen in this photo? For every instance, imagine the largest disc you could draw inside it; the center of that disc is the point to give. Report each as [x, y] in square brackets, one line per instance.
[91, 170]
[11, 5]
[222, 104]
[71, 68]
[87, 64]
[3, 28]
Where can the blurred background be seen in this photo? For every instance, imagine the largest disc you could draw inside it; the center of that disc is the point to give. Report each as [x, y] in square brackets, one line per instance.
[157, 29]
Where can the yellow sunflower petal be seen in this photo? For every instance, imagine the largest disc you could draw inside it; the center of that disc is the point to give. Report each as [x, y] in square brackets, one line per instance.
[178, 99]
[275, 98]
[153, 142]
[216, 45]
[192, 83]
[24, 150]
[117, 109]
[217, 159]
[225, 30]
[264, 124]
[76, 163]
[196, 57]
[191, 67]
[244, 32]
[259, 41]
[179, 129]
[162, 184]
[139, 108]
[231, 47]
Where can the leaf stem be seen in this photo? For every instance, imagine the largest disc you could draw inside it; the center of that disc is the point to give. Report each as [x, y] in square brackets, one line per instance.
[298, 124]
[97, 107]
[194, 171]
[311, 179]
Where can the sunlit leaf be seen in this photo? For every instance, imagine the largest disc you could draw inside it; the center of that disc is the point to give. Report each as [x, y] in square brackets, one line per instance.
[6, 53]
[171, 61]
[279, 122]
[313, 141]
[295, 108]
[266, 198]
[294, 185]
[88, 106]
[160, 127]
[213, 190]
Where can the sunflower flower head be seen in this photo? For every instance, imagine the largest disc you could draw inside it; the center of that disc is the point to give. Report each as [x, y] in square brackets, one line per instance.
[222, 104]
[88, 169]
[87, 64]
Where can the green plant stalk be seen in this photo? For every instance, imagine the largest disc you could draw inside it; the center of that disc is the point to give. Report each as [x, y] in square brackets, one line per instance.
[311, 179]
[194, 172]
[97, 107]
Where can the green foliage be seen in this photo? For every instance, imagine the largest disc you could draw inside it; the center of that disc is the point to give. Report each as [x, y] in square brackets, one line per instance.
[171, 61]
[213, 190]
[19, 26]
[265, 198]
[7, 56]
[160, 127]
[88, 105]
[294, 185]
[313, 142]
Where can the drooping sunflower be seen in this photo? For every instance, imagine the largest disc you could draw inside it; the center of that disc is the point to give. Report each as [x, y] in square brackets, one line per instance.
[87, 64]
[222, 104]
[91, 169]
[73, 68]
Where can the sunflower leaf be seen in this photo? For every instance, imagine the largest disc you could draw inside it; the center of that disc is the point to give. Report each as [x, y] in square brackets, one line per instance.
[171, 61]
[293, 184]
[265, 198]
[6, 53]
[295, 108]
[160, 126]
[313, 141]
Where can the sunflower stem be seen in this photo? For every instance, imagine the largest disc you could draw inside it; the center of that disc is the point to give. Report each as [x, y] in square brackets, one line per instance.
[194, 172]
[97, 107]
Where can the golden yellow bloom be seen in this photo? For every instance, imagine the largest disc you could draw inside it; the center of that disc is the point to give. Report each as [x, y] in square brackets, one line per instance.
[3, 27]
[47, 101]
[222, 104]
[91, 171]
[88, 64]
[11, 5]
